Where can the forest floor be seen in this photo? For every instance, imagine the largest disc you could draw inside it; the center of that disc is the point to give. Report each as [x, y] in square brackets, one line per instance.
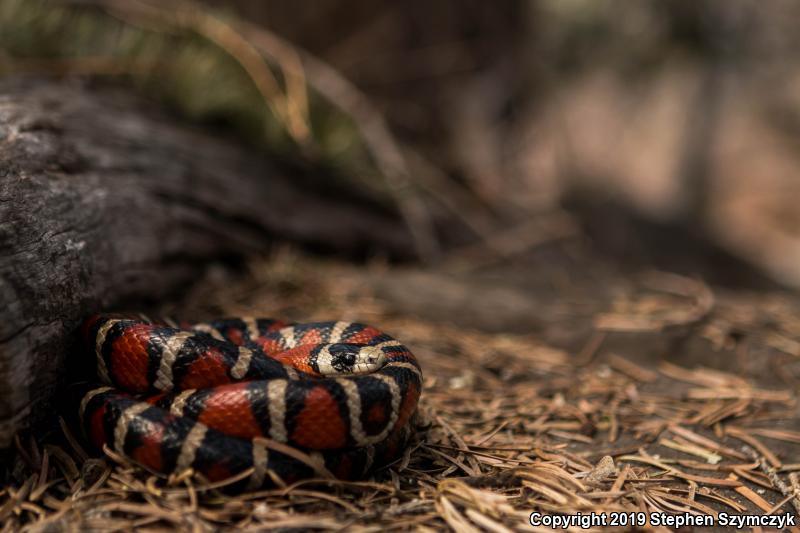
[556, 389]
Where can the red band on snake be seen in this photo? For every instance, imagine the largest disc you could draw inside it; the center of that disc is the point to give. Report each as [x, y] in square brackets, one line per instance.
[217, 397]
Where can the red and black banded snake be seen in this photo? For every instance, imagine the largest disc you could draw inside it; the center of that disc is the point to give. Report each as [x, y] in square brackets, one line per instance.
[212, 396]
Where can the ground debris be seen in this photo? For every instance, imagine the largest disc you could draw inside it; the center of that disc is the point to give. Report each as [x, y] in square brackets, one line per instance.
[508, 425]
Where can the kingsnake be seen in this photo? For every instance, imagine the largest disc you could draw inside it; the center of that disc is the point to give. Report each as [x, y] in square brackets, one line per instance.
[240, 394]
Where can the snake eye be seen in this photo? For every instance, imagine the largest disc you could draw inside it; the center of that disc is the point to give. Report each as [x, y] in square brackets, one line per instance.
[343, 357]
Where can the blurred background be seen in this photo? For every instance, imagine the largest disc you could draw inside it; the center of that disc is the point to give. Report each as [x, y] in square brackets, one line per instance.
[583, 186]
[663, 133]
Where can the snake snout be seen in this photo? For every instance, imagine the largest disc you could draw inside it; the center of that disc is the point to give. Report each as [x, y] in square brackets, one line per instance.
[370, 359]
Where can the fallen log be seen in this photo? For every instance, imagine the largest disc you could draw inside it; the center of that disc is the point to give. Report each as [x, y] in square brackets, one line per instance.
[106, 202]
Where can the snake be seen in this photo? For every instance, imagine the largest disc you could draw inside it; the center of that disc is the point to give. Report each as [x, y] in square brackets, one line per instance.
[270, 401]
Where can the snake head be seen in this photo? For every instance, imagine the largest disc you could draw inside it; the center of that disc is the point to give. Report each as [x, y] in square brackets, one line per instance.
[337, 359]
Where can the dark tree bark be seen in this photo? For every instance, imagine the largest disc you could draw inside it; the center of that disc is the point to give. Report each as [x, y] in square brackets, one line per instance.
[105, 202]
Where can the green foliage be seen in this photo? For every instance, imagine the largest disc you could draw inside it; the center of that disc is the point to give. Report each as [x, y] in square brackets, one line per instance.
[190, 74]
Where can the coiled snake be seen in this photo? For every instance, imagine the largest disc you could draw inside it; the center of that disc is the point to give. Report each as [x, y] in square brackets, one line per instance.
[241, 394]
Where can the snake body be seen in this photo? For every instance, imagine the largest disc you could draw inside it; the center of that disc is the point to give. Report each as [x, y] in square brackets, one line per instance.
[284, 401]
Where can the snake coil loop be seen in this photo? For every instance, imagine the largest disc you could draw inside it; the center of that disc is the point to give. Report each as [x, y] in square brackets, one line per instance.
[217, 397]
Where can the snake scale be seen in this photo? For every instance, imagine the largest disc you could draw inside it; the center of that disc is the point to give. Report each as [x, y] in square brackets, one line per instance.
[243, 395]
